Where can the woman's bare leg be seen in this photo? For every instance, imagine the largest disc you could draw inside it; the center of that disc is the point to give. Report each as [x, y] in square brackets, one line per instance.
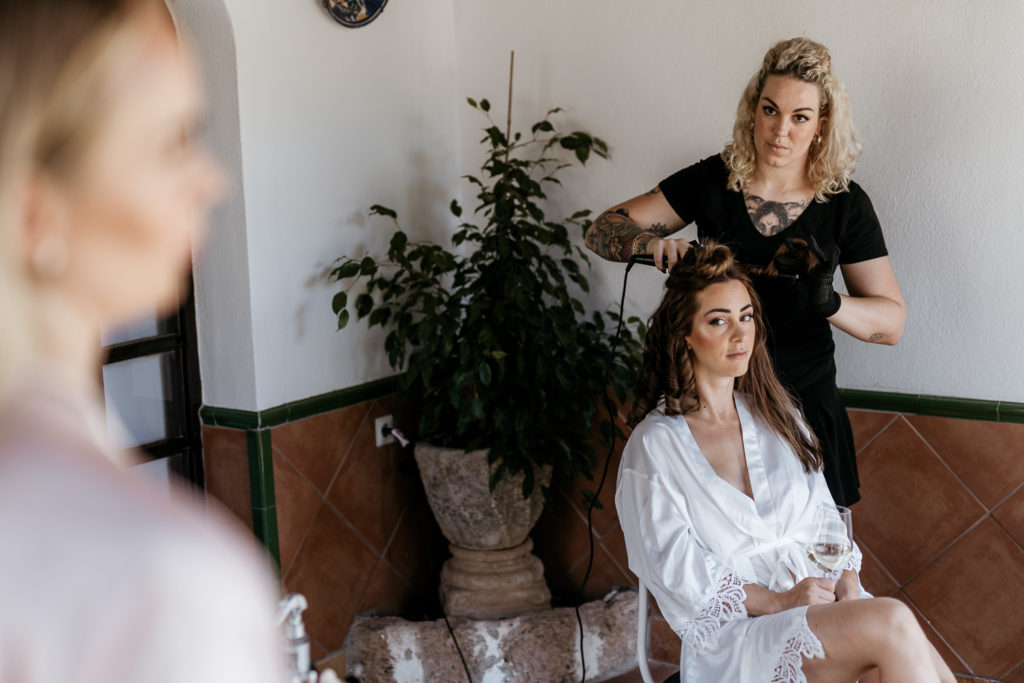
[861, 634]
[945, 674]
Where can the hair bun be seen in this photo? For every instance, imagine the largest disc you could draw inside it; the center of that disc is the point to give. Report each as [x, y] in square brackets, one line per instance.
[708, 261]
[715, 260]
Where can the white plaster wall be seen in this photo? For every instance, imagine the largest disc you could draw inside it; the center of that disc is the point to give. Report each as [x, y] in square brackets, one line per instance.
[221, 265]
[332, 120]
[937, 87]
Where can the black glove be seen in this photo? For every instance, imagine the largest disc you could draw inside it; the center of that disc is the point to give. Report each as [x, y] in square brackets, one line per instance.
[817, 284]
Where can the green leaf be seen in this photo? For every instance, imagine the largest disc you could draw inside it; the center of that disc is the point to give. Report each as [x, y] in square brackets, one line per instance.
[516, 282]
[497, 140]
[591, 501]
[382, 211]
[379, 316]
[338, 302]
[497, 475]
[347, 270]
[528, 482]
[364, 304]
[398, 242]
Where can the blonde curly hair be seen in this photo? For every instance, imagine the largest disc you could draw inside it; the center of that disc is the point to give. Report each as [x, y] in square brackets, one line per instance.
[831, 162]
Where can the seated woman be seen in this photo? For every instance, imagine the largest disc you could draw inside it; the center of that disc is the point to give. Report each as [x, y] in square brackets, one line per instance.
[717, 493]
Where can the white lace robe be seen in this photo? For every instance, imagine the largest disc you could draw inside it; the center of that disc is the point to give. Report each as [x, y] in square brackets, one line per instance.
[695, 539]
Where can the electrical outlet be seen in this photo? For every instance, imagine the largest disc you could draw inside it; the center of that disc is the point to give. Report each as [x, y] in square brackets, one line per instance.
[378, 428]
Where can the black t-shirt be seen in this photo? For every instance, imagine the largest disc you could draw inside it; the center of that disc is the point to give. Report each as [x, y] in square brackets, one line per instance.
[800, 342]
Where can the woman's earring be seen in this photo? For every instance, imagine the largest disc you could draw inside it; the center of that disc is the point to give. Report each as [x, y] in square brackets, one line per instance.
[818, 139]
[50, 258]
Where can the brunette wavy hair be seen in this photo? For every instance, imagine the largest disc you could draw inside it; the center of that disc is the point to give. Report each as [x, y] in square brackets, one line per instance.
[667, 373]
[831, 162]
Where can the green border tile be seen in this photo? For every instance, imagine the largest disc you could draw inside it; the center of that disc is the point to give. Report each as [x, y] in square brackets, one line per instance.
[260, 449]
[963, 408]
[229, 417]
[939, 406]
[880, 400]
[261, 487]
[264, 527]
[297, 410]
[271, 417]
[1011, 412]
[315, 405]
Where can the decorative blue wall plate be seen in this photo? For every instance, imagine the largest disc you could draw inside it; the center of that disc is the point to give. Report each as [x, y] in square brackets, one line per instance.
[354, 13]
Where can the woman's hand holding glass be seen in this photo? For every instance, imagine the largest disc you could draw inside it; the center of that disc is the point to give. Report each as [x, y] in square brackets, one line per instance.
[833, 540]
[809, 591]
[832, 547]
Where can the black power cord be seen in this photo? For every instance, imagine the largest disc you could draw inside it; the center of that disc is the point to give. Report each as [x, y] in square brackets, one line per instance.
[649, 261]
[646, 260]
[458, 649]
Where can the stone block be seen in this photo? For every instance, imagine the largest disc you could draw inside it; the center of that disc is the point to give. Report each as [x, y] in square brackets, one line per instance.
[539, 646]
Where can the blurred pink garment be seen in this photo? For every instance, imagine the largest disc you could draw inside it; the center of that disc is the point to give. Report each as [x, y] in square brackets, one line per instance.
[104, 579]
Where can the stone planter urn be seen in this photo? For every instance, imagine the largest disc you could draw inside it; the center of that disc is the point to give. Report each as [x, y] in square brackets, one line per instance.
[492, 573]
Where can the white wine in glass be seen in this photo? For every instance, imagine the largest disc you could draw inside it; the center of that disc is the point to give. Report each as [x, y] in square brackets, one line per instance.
[833, 540]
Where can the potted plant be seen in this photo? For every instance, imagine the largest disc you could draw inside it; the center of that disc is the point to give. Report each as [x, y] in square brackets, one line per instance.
[505, 365]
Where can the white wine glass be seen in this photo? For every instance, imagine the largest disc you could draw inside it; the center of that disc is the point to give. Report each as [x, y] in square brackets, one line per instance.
[833, 539]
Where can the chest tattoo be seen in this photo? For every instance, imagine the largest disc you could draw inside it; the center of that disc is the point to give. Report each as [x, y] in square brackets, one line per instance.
[771, 217]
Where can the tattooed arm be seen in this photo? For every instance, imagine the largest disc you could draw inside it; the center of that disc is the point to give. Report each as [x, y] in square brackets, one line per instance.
[874, 311]
[645, 220]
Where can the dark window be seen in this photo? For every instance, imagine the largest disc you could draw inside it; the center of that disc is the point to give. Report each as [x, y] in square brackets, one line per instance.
[151, 382]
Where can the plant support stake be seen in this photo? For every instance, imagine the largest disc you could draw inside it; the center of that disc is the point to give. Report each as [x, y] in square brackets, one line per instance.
[508, 125]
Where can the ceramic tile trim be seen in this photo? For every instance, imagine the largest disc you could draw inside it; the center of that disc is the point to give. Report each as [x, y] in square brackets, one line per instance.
[297, 410]
[261, 488]
[938, 406]
[257, 426]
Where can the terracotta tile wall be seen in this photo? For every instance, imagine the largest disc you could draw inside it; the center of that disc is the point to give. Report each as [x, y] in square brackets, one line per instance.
[354, 528]
[941, 522]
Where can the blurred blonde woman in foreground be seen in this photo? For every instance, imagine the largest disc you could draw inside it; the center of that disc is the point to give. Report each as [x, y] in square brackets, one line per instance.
[102, 190]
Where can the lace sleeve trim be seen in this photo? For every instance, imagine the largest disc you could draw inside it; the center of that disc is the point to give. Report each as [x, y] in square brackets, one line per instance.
[799, 642]
[726, 604]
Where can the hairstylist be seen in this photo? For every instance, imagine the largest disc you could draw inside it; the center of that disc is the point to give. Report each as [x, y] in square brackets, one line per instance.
[785, 175]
